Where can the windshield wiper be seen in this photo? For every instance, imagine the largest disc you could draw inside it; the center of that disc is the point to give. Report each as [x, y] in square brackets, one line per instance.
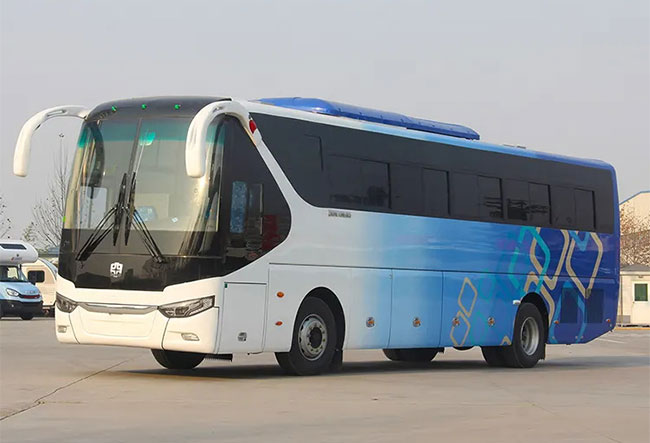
[100, 232]
[133, 217]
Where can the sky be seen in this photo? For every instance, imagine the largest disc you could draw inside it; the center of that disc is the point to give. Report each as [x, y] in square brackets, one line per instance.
[570, 77]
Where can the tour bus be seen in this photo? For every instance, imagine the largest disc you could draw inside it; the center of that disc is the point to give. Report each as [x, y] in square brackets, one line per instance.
[202, 227]
[18, 295]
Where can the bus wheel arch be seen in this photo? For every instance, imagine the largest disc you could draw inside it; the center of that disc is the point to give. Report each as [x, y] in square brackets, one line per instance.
[332, 301]
[319, 312]
[334, 304]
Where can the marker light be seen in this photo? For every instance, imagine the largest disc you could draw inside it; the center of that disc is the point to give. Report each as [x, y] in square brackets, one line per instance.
[144, 106]
[65, 304]
[62, 329]
[252, 125]
[113, 108]
[189, 336]
[186, 308]
[177, 107]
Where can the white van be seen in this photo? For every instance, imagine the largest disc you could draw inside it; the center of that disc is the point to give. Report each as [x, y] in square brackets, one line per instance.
[43, 272]
[18, 296]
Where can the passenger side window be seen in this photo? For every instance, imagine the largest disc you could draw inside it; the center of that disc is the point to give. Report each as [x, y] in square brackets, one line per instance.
[464, 195]
[436, 192]
[491, 207]
[584, 210]
[563, 209]
[406, 189]
[540, 211]
[517, 200]
[358, 184]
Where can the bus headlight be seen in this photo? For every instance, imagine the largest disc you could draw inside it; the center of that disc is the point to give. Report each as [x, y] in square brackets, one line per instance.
[65, 304]
[12, 292]
[186, 308]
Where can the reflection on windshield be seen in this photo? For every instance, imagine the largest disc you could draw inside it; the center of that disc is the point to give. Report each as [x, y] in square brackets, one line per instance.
[11, 274]
[153, 149]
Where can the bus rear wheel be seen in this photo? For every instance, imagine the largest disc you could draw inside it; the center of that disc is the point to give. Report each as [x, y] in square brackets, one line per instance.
[177, 359]
[411, 355]
[528, 341]
[314, 340]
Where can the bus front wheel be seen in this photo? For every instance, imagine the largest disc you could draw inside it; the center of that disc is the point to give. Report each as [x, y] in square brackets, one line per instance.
[314, 340]
[177, 359]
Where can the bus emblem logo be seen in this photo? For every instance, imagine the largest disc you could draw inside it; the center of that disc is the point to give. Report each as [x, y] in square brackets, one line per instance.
[116, 269]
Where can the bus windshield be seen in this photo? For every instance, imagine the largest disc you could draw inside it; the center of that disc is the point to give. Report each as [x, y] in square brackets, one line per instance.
[150, 152]
[11, 274]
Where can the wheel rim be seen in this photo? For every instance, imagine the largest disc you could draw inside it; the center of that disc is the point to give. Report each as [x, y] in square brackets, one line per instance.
[312, 337]
[529, 336]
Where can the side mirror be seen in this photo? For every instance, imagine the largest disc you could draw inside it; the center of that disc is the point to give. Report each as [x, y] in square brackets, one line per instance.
[36, 277]
[196, 145]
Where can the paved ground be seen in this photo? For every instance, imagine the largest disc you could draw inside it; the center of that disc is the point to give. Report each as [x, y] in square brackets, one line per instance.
[599, 392]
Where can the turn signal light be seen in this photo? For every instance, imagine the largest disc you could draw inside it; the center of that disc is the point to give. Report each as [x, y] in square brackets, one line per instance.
[280, 294]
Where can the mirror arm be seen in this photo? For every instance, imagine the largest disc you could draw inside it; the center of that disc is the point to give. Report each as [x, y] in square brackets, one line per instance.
[196, 145]
[23, 145]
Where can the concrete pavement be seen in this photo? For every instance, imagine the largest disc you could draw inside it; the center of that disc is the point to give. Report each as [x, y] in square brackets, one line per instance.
[598, 392]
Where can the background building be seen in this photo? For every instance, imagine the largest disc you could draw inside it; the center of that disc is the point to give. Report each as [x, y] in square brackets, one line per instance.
[634, 307]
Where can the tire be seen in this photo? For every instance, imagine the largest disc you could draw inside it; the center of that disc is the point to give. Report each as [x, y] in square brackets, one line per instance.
[27, 316]
[492, 356]
[528, 339]
[414, 355]
[314, 340]
[177, 359]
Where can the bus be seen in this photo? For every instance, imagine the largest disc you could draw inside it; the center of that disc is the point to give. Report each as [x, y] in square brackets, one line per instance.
[202, 227]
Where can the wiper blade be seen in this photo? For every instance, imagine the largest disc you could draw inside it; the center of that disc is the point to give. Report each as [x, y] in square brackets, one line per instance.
[147, 238]
[100, 232]
[133, 217]
[119, 210]
[96, 237]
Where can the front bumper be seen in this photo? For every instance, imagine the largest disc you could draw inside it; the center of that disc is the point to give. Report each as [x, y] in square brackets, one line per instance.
[144, 330]
[15, 307]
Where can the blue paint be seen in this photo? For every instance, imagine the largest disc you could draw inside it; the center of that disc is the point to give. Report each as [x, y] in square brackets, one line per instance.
[371, 115]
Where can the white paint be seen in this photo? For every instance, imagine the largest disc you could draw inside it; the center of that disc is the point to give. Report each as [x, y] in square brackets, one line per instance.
[24, 143]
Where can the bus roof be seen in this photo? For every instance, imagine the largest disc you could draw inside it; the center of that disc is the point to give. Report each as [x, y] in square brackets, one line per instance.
[335, 109]
[399, 130]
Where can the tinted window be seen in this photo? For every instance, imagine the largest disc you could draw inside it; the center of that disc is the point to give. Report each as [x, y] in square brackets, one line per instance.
[539, 210]
[585, 210]
[406, 189]
[563, 208]
[254, 216]
[464, 195]
[436, 192]
[521, 205]
[358, 184]
[11, 246]
[516, 198]
[490, 198]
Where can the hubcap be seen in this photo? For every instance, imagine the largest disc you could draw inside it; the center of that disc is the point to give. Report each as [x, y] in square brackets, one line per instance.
[312, 337]
[529, 336]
